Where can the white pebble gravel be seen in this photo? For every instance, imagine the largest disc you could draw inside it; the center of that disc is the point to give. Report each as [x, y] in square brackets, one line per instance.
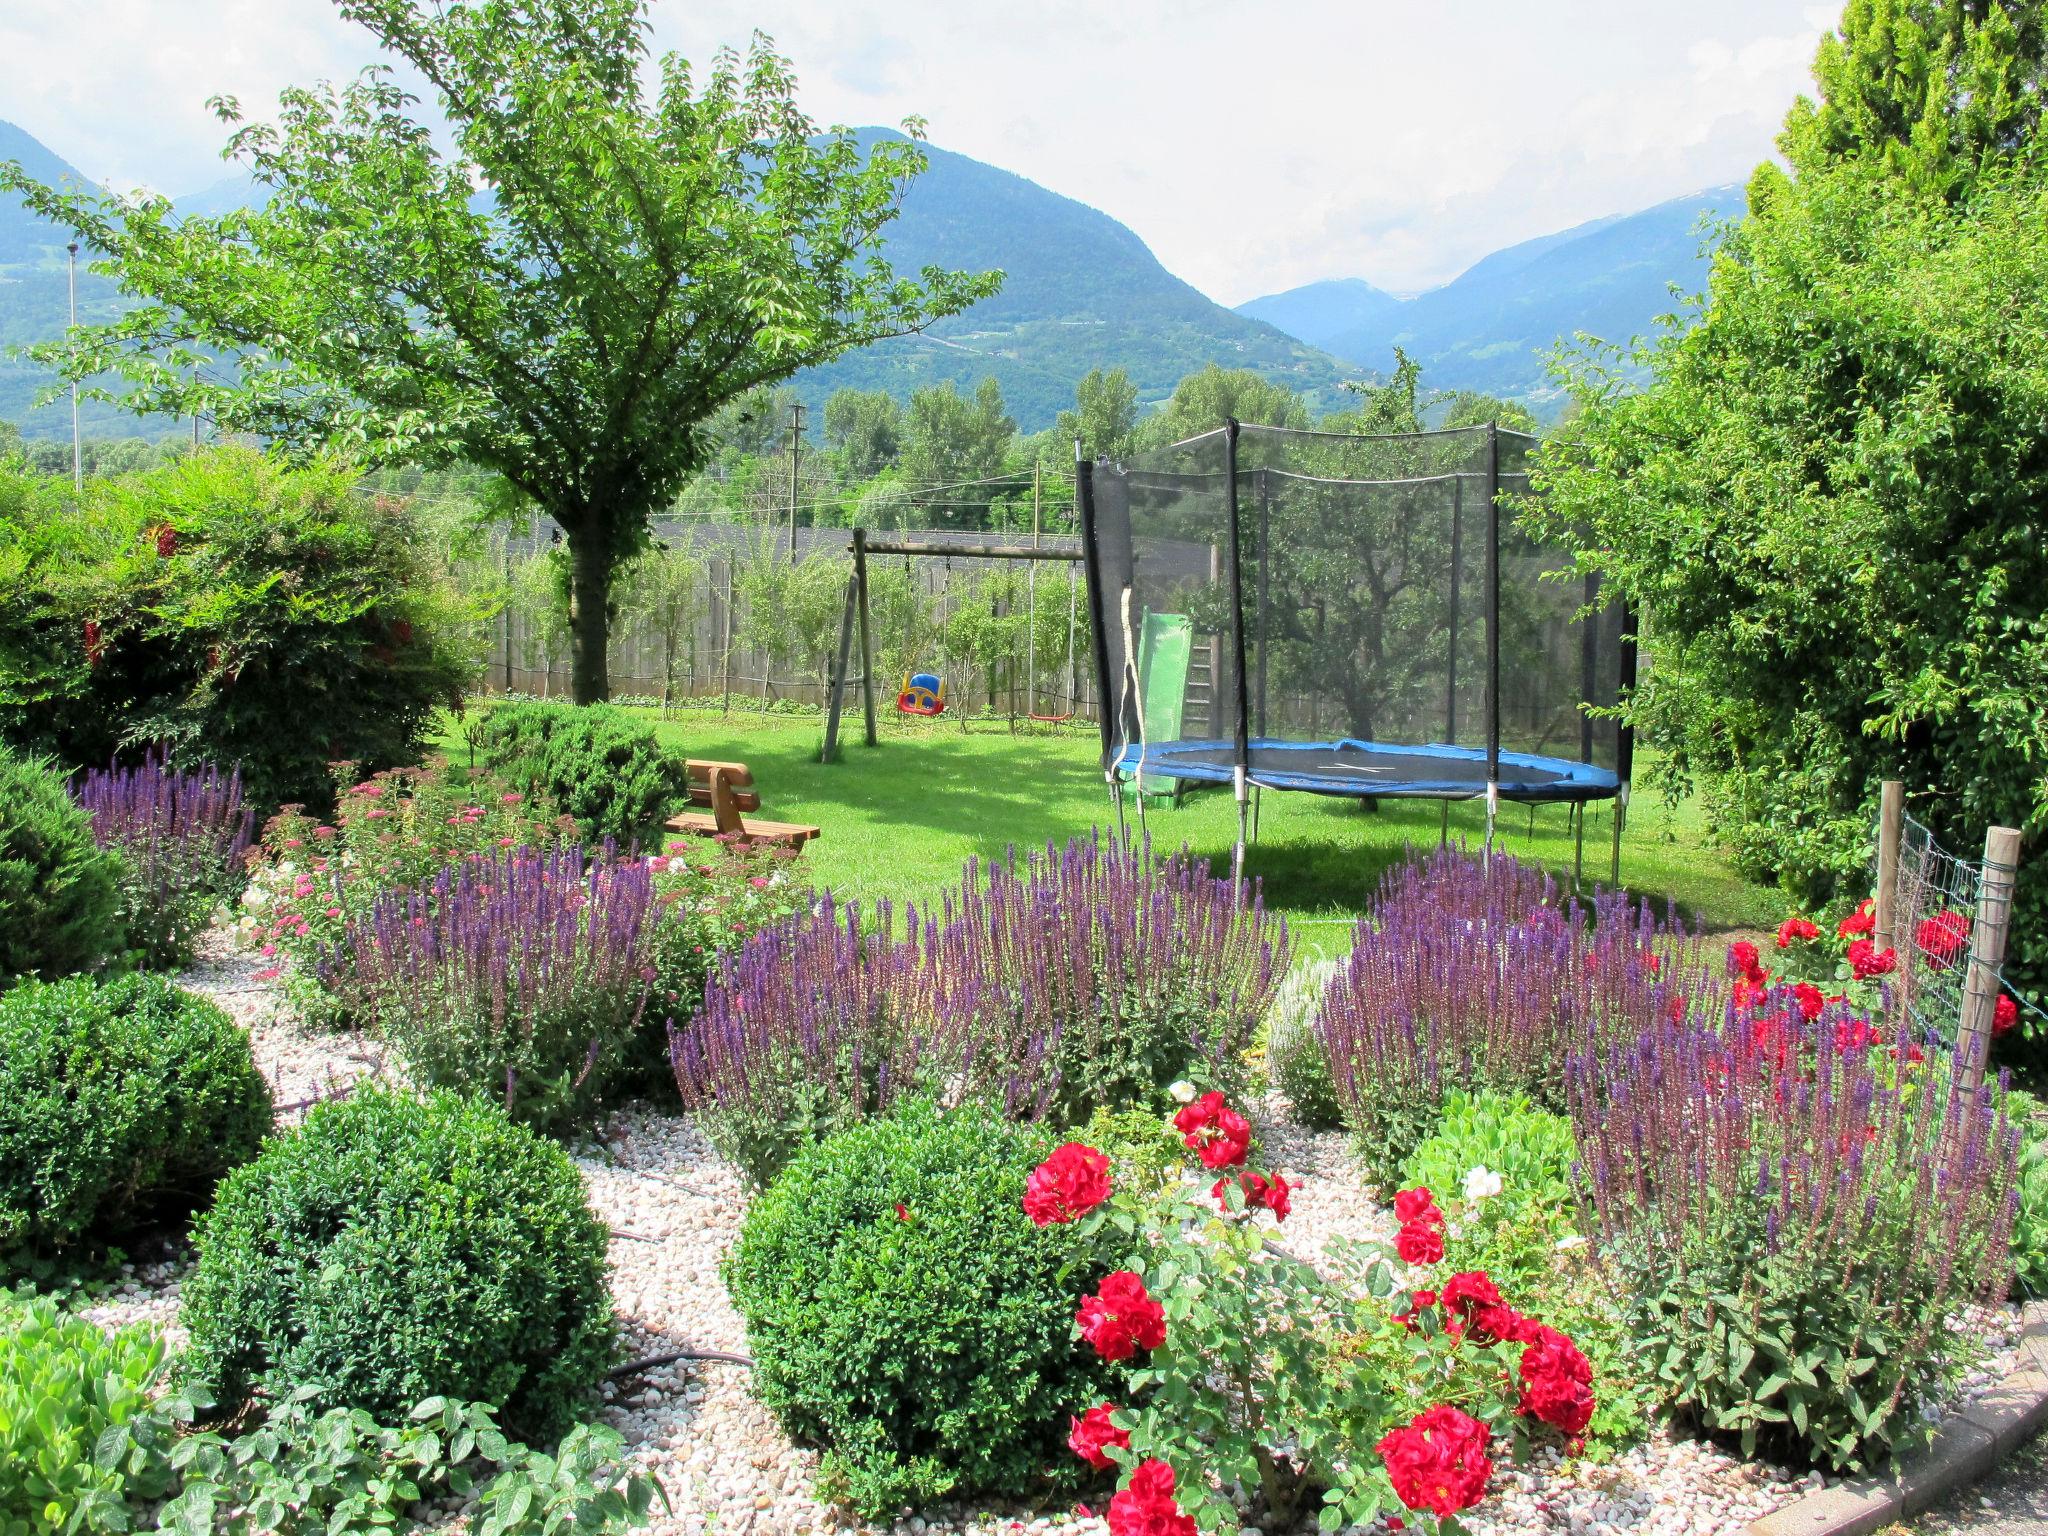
[674, 1209]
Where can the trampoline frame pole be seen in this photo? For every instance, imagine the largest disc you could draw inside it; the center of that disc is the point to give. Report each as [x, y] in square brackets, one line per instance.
[1492, 630]
[1242, 731]
[1107, 700]
[1625, 745]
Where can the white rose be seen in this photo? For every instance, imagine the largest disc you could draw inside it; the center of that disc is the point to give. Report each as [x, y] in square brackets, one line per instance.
[255, 898]
[1571, 1240]
[1481, 1183]
[1183, 1092]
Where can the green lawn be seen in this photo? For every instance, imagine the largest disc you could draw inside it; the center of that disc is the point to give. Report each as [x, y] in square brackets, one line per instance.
[900, 818]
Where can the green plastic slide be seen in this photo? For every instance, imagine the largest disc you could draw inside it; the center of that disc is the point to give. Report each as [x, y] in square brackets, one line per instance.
[1165, 643]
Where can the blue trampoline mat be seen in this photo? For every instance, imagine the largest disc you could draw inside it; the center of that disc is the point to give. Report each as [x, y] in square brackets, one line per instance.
[1365, 768]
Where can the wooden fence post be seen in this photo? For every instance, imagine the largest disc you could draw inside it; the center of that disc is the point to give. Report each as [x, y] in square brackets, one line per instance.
[1891, 822]
[1987, 954]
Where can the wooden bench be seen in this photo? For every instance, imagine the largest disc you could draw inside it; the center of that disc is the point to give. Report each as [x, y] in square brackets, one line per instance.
[726, 788]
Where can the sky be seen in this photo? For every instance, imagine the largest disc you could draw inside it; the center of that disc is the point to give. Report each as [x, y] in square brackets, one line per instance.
[1253, 144]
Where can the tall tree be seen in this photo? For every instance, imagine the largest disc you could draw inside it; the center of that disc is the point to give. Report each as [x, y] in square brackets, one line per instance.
[1827, 500]
[1203, 401]
[951, 442]
[561, 278]
[1104, 419]
[865, 428]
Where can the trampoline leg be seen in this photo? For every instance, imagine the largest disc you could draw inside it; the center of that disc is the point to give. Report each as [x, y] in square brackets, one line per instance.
[1255, 813]
[1578, 846]
[1237, 853]
[1443, 826]
[1620, 815]
[1492, 815]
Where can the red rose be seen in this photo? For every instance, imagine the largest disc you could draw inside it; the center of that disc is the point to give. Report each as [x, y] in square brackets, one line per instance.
[1476, 1309]
[1260, 1192]
[1069, 1184]
[1411, 1203]
[1121, 1317]
[1557, 1381]
[1417, 1301]
[1810, 1001]
[1437, 1461]
[1420, 1241]
[95, 648]
[1743, 957]
[1942, 937]
[1145, 1505]
[1867, 960]
[1091, 1436]
[1217, 1134]
[166, 542]
[2005, 1015]
[1862, 920]
[1794, 929]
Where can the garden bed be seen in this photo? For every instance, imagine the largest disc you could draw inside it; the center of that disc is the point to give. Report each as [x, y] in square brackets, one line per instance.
[674, 1209]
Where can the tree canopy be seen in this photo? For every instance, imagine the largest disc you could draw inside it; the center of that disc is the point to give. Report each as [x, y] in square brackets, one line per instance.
[1827, 499]
[561, 274]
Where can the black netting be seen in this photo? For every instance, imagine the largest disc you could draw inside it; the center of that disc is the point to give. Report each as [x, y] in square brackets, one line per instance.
[1350, 576]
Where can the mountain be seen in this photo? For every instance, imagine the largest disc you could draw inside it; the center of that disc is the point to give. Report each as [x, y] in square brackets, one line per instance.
[1316, 311]
[35, 298]
[1490, 328]
[1080, 291]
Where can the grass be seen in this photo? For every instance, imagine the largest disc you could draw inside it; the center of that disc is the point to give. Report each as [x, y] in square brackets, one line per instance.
[901, 818]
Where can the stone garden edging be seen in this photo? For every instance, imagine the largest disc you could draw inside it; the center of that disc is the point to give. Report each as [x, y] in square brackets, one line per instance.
[1969, 1443]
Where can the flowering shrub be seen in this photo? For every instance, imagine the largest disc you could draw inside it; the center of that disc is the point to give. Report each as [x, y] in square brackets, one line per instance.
[908, 1318]
[284, 622]
[1794, 1209]
[1089, 977]
[1841, 965]
[521, 975]
[182, 838]
[1466, 975]
[397, 828]
[1248, 1372]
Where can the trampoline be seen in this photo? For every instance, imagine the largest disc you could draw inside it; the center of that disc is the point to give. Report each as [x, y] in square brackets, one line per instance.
[1364, 617]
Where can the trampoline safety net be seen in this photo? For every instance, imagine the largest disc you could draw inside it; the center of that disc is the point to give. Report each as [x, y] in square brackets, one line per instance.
[1361, 615]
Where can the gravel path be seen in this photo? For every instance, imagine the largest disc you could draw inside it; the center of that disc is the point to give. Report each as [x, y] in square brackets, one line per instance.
[674, 1209]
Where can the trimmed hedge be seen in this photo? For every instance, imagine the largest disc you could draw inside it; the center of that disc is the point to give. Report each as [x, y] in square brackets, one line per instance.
[393, 1249]
[119, 1102]
[60, 892]
[595, 761]
[907, 1317]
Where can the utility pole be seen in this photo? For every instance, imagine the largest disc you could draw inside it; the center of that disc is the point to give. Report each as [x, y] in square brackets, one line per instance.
[796, 448]
[77, 458]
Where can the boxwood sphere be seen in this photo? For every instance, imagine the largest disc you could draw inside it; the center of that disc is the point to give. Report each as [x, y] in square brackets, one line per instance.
[393, 1249]
[120, 1102]
[60, 892]
[930, 1352]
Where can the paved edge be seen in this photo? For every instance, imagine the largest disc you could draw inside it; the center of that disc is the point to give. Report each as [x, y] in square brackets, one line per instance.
[1968, 1444]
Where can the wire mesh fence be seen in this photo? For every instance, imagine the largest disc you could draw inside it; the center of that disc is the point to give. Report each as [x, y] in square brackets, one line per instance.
[1935, 899]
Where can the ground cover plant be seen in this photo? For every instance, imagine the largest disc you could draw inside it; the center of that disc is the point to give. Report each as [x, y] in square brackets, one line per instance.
[122, 1102]
[605, 768]
[1793, 1210]
[1085, 977]
[95, 1430]
[183, 839]
[907, 1318]
[228, 609]
[60, 892]
[392, 1249]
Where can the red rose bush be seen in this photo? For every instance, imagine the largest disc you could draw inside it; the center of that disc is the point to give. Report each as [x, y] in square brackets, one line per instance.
[1250, 1372]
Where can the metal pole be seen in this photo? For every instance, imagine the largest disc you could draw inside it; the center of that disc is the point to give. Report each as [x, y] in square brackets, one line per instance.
[867, 647]
[1084, 509]
[1492, 629]
[1625, 746]
[1891, 823]
[77, 455]
[1031, 602]
[1241, 733]
[1987, 956]
[796, 448]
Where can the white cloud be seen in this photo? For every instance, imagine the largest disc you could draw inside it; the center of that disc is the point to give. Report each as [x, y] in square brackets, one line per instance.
[1252, 145]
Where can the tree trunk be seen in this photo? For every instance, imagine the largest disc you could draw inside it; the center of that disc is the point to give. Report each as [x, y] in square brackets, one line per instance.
[590, 590]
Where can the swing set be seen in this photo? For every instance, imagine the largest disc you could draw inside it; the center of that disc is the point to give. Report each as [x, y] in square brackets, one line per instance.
[923, 694]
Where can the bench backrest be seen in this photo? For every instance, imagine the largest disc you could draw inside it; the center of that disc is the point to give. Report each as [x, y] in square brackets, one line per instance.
[724, 788]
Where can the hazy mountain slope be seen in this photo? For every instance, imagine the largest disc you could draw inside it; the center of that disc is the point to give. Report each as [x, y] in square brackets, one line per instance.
[1319, 312]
